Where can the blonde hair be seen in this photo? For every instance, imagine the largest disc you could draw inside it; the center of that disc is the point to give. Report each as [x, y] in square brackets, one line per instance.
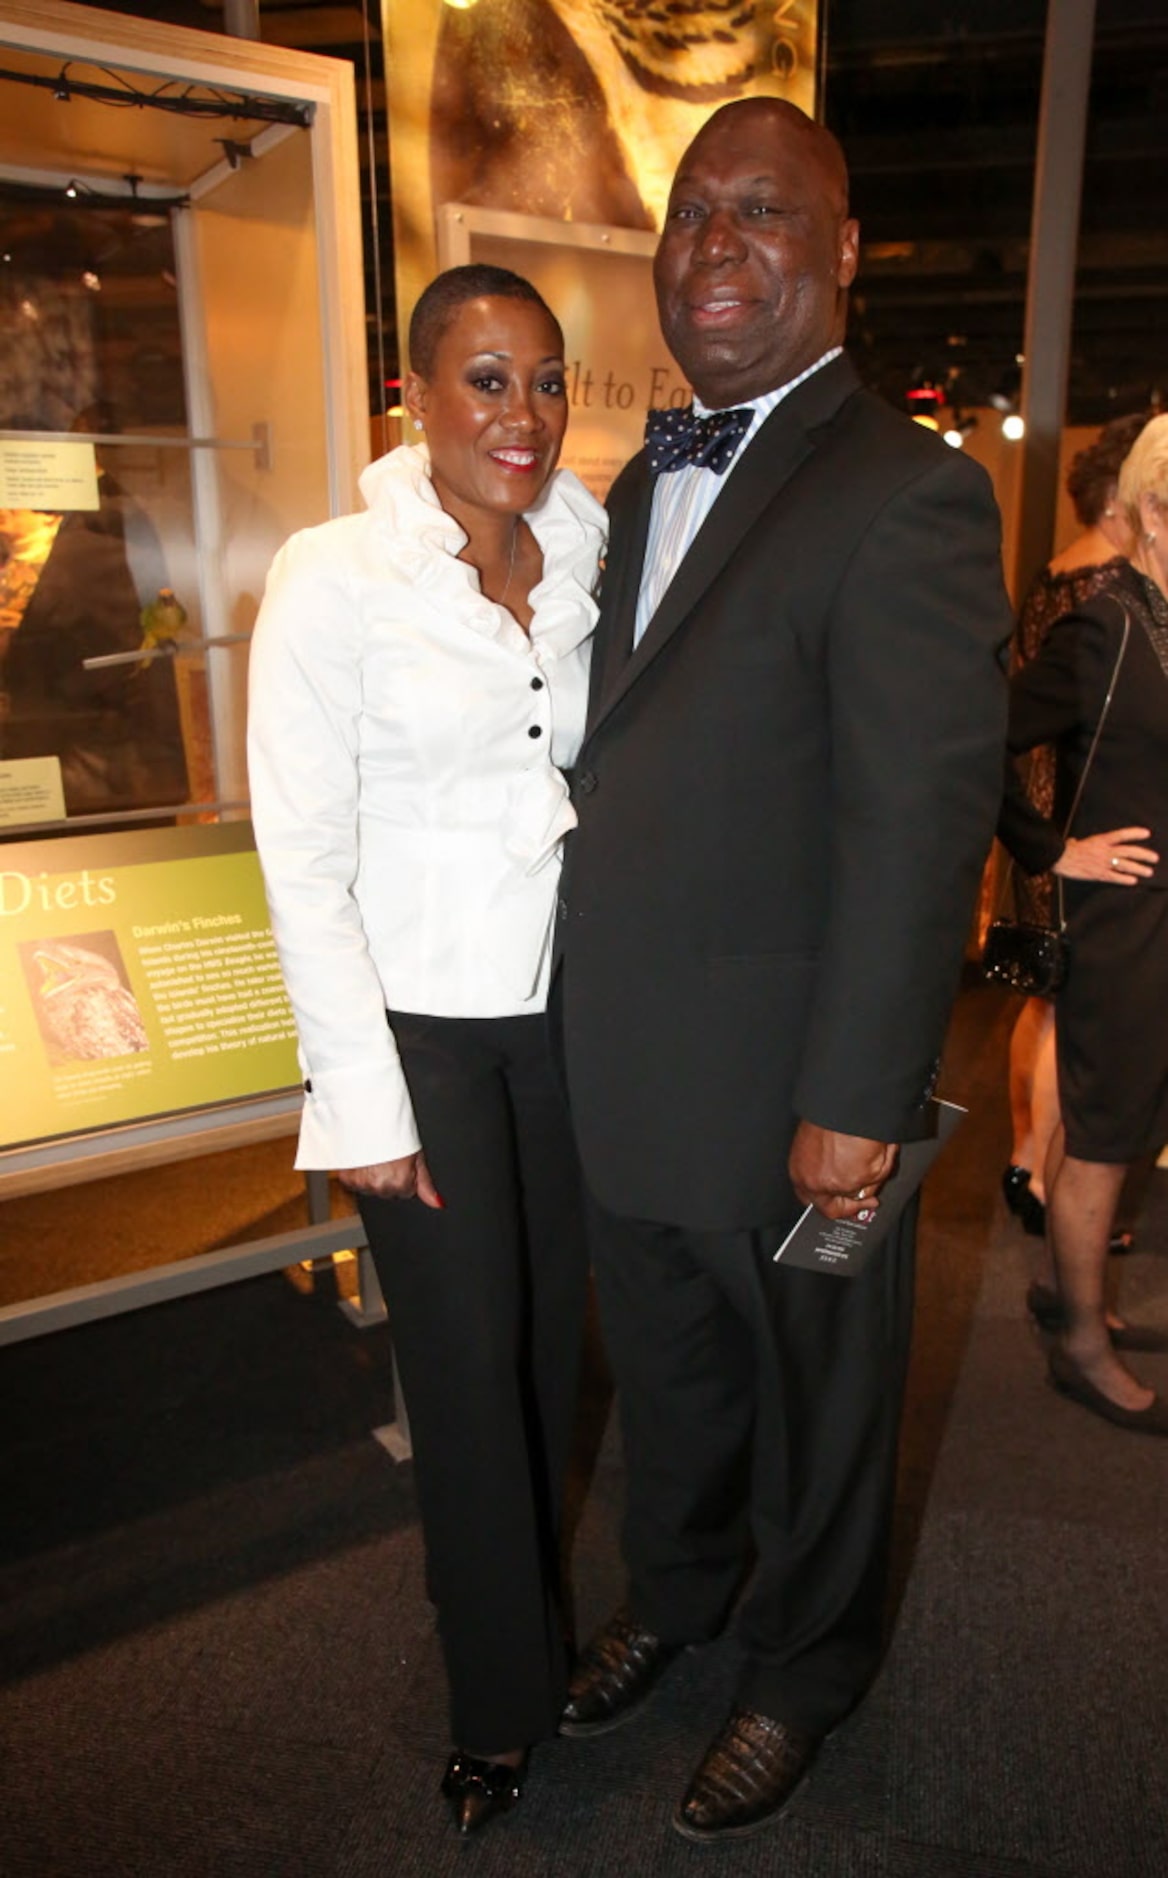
[1145, 469]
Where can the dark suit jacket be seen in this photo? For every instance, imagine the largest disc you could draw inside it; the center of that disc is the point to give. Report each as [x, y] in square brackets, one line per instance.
[785, 797]
[1058, 699]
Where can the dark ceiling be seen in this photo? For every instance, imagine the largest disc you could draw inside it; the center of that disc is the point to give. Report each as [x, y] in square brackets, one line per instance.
[936, 102]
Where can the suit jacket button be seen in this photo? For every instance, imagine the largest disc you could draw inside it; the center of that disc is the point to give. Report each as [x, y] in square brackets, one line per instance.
[586, 782]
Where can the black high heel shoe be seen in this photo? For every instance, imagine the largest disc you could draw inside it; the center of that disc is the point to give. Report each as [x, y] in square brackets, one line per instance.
[1027, 1207]
[1024, 1205]
[1045, 1307]
[477, 1790]
[1069, 1380]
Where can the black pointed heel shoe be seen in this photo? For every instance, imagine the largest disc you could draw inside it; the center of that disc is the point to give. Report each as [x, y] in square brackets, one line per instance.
[477, 1790]
[1069, 1380]
[1025, 1205]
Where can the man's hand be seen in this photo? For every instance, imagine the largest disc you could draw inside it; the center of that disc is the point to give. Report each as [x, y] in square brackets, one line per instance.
[407, 1178]
[838, 1174]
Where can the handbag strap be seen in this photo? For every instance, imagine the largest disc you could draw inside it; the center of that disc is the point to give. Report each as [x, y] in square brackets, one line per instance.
[1086, 769]
[1083, 774]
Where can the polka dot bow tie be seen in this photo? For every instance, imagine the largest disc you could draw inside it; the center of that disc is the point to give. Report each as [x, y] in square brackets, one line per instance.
[677, 438]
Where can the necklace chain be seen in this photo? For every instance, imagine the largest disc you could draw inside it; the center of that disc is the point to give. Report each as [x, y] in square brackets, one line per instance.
[511, 562]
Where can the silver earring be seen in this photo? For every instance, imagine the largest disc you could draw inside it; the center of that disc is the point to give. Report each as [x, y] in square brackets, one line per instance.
[418, 424]
[1150, 536]
[1109, 512]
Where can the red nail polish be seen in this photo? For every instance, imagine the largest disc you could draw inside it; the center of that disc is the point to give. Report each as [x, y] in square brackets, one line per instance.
[439, 1201]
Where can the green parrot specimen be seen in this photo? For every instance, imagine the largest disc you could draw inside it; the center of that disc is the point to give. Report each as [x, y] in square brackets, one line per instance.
[162, 624]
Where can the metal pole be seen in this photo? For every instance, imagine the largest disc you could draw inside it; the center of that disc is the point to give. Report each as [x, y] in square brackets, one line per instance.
[241, 18]
[1054, 241]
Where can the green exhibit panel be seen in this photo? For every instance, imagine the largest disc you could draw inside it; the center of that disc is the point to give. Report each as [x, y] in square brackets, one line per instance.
[138, 977]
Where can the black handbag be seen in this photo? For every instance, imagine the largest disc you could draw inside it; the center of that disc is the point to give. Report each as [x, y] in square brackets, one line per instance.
[1026, 955]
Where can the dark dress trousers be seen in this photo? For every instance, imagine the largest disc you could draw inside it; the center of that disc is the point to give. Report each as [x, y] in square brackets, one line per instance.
[785, 797]
[487, 1301]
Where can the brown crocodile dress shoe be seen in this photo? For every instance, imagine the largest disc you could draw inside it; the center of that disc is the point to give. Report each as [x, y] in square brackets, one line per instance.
[614, 1677]
[748, 1773]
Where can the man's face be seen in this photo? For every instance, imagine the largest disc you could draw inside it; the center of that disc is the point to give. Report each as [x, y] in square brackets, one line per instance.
[754, 257]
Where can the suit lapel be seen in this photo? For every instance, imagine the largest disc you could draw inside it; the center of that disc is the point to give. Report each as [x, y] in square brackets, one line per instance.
[620, 586]
[783, 443]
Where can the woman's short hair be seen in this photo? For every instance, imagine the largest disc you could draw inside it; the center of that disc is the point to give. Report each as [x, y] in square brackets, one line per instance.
[1145, 470]
[449, 291]
[1094, 473]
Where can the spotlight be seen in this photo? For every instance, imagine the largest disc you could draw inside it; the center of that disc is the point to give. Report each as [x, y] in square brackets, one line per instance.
[1013, 428]
[71, 190]
[924, 401]
[61, 89]
[959, 430]
[91, 278]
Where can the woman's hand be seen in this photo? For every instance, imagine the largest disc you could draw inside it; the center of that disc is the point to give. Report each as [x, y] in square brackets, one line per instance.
[407, 1178]
[1110, 857]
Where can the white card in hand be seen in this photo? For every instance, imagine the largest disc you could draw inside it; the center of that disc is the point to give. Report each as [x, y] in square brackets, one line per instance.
[843, 1246]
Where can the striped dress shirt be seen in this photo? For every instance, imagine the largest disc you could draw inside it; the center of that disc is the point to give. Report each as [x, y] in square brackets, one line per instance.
[683, 498]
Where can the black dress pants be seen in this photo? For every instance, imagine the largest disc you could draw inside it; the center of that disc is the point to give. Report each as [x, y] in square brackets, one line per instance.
[760, 1404]
[486, 1306]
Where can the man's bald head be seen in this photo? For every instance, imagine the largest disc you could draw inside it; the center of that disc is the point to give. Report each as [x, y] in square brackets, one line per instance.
[757, 251]
[820, 145]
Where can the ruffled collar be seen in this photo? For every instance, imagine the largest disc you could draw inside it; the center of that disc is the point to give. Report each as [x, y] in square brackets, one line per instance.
[567, 522]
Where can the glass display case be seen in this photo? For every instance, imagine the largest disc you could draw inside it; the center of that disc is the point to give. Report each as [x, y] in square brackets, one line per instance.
[181, 386]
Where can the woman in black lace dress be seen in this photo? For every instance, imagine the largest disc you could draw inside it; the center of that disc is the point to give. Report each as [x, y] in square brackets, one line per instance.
[1060, 588]
[1112, 1026]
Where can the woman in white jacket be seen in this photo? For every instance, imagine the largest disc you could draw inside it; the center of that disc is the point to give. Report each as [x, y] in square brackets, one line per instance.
[418, 685]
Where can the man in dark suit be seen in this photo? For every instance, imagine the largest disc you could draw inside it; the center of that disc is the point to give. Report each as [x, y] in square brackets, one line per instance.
[785, 795]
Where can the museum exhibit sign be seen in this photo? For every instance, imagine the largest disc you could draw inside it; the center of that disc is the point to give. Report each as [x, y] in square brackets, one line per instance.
[138, 978]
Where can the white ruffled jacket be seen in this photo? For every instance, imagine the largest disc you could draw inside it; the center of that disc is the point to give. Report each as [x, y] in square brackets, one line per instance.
[406, 740]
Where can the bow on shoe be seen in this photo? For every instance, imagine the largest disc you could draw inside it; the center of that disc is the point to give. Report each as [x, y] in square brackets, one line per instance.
[677, 438]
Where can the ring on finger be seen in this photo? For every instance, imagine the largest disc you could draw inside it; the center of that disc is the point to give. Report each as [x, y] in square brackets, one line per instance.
[1116, 862]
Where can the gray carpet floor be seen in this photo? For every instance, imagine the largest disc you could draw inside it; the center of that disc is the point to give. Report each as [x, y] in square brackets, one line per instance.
[217, 1658]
